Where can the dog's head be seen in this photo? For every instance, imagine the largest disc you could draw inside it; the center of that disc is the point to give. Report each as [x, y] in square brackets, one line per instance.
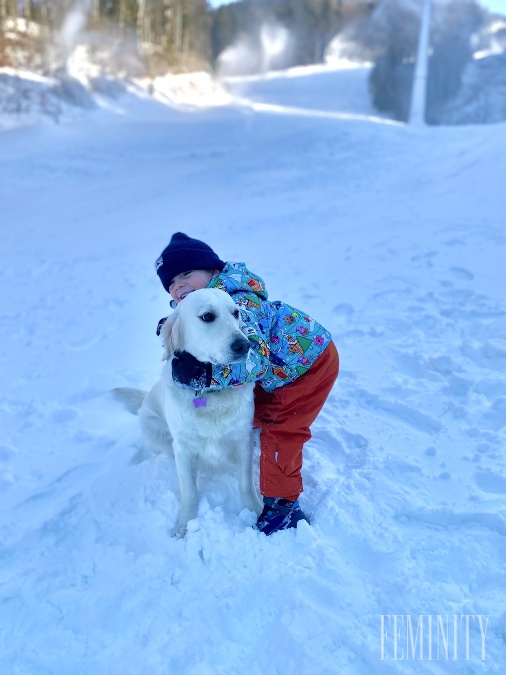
[207, 324]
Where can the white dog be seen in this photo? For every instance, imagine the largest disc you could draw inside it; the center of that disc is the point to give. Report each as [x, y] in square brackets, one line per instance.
[200, 426]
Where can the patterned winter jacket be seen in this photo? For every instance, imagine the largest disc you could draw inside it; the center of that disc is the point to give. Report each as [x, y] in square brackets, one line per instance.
[284, 342]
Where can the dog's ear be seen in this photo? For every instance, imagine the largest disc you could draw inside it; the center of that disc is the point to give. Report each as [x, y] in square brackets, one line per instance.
[170, 333]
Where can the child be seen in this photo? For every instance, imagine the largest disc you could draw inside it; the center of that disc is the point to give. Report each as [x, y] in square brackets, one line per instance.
[292, 359]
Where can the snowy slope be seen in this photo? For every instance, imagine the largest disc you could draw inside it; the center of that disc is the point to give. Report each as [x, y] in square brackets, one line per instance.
[394, 239]
[316, 88]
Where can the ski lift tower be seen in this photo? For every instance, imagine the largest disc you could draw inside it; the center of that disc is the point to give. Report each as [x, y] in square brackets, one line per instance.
[419, 91]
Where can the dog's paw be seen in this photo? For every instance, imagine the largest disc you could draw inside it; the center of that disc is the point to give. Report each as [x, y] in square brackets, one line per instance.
[254, 503]
[183, 528]
[179, 531]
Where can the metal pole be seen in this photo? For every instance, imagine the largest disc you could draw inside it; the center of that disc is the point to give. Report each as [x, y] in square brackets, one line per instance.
[419, 91]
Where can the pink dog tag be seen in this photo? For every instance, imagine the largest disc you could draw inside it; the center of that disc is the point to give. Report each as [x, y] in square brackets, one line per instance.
[200, 402]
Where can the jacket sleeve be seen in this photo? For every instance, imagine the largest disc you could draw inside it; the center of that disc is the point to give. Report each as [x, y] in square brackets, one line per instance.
[256, 326]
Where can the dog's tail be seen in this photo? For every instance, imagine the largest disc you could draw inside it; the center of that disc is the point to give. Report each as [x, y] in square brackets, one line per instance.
[131, 398]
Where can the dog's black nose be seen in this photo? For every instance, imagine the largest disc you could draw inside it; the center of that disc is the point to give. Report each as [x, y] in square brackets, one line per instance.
[240, 346]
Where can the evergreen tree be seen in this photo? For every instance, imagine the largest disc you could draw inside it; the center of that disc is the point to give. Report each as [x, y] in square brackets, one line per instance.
[397, 25]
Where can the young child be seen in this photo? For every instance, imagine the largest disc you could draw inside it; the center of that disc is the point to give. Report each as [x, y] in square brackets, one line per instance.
[292, 359]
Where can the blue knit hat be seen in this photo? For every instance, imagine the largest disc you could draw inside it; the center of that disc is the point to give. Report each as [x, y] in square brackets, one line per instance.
[183, 254]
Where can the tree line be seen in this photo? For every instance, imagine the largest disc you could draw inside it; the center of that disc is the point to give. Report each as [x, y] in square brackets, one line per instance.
[454, 26]
[188, 34]
[183, 33]
[311, 24]
[171, 33]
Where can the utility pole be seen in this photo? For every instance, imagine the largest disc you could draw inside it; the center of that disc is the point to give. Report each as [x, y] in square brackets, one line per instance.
[419, 91]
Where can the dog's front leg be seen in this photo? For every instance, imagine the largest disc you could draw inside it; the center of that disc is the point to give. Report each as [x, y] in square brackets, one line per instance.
[186, 465]
[249, 495]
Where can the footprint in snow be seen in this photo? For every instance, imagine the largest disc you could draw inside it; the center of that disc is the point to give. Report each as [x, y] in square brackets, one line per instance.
[425, 259]
[64, 415]
[357, 446]
[6, 452]
[490, 482]
[7, 480]
[461, 273]
[495, 417]
[85, 343]
[400, 411]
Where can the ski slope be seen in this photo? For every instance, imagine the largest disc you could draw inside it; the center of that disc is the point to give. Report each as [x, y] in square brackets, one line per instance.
[311, 89]
[393, 238]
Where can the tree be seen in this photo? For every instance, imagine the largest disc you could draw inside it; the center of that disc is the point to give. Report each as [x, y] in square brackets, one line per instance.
[397, 25]
[312, 24]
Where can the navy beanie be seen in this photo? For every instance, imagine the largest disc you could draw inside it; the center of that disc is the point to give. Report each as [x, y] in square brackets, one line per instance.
[183, 254]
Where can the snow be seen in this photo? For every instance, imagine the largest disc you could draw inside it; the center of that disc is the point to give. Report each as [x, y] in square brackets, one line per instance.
[393, 238]
[82, 91]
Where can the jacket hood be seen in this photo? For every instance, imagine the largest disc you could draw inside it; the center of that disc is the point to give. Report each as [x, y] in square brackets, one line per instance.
[236, 278]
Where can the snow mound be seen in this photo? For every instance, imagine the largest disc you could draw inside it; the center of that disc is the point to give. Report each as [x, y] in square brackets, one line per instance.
[192, 89]
[71, 95]
[26, 98]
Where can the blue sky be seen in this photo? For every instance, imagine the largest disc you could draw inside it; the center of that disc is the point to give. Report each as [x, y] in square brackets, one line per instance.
[493, 5]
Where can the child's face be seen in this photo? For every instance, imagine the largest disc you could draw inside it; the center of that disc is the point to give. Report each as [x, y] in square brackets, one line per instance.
[190, 281]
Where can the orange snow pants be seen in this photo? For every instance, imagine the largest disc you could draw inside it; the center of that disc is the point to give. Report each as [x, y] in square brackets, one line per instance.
[284, 416]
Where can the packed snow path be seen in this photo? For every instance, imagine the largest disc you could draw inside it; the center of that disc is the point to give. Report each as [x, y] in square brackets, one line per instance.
[394, 239]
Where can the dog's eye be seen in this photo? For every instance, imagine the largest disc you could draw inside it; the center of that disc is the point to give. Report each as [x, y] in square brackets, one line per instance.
[236, 314]
[207, 317]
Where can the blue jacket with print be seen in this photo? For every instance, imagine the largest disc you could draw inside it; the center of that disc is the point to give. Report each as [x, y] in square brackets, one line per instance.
[284, 342]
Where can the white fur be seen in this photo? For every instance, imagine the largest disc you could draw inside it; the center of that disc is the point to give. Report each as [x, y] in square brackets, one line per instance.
[224, 428]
